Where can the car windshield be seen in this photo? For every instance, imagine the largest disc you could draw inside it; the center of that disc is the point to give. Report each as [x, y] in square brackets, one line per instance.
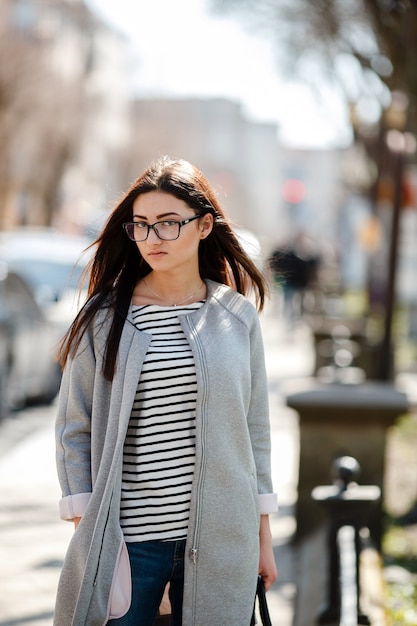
[48, 279]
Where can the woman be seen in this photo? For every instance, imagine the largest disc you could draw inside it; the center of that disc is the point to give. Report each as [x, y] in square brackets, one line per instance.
[163, 443]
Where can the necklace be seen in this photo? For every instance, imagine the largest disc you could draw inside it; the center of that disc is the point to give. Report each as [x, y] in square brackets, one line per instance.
[178, 303]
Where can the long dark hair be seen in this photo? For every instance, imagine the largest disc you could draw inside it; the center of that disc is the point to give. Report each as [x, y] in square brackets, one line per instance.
[118, 265]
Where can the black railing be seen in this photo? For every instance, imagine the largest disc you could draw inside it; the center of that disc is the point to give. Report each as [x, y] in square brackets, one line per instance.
[348, 505]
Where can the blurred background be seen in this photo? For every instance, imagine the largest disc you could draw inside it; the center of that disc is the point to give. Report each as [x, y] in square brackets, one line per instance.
[303, 116]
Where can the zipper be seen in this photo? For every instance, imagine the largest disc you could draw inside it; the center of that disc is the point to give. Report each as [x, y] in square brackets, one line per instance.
[202, 471]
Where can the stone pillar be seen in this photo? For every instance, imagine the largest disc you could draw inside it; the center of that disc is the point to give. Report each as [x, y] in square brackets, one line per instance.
[342, 420]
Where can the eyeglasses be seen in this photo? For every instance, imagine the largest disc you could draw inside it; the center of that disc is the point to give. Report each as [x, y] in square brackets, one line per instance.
[167, 230]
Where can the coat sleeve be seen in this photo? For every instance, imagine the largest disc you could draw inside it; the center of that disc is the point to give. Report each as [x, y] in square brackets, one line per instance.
[258, 421]
[73, 430]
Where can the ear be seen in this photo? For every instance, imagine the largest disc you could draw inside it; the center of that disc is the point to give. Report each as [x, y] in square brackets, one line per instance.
[206, 225]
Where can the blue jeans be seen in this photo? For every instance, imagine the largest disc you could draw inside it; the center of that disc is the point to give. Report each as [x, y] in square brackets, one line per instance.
[154, 564]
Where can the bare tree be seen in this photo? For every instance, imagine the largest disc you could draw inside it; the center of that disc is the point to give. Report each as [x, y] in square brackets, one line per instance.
[40, 126]
[380, 34]
[17, 88]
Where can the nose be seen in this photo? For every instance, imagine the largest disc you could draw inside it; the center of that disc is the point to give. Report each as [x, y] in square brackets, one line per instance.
[152, 236]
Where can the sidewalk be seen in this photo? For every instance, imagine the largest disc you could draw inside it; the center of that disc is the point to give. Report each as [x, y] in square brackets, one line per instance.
[289, 355]
[33, 539]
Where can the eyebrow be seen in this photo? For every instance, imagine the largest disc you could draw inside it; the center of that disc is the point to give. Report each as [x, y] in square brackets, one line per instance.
[158, 217]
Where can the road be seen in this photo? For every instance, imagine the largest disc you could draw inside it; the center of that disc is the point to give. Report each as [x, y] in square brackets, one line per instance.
[33, 538]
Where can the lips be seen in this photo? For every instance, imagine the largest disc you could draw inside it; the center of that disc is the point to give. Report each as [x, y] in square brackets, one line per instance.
[156, 254]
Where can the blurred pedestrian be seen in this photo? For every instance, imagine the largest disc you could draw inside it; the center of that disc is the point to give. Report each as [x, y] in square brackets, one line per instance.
[294, 269]
[163, 440]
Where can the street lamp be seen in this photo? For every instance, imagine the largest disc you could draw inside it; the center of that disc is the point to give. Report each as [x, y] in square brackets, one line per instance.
[400, 144]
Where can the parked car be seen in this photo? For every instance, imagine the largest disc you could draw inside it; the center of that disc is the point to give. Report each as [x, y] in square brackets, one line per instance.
[28, 368]
[40, 283]
[6, 349]
[51, 263]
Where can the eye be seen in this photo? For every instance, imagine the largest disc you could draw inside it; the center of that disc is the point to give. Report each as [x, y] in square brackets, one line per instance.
[139, 225]
[168, 223]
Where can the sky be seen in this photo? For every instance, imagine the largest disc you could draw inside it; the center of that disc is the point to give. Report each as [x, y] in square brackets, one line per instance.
[183, 51]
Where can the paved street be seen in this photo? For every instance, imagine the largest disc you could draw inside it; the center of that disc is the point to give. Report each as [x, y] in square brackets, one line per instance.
[33, 539]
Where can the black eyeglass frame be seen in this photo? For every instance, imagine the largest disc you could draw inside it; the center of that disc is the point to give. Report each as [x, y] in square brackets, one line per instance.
[153, 226]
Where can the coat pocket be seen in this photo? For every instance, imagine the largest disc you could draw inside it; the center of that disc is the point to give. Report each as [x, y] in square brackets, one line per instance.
[121, 588]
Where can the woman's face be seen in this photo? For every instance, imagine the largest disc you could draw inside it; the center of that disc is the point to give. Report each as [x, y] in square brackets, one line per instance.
[164, 255]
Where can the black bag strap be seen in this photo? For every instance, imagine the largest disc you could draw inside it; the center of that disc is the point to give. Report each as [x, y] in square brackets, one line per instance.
[262, 604]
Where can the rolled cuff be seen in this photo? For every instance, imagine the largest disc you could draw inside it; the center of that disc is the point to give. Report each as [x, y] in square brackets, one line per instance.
[73, 506]
[268, 503]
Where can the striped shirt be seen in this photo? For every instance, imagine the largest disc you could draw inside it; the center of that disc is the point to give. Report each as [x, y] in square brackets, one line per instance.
[159, 450]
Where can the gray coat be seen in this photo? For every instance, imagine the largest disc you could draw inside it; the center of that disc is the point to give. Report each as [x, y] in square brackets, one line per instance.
[232, 465]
